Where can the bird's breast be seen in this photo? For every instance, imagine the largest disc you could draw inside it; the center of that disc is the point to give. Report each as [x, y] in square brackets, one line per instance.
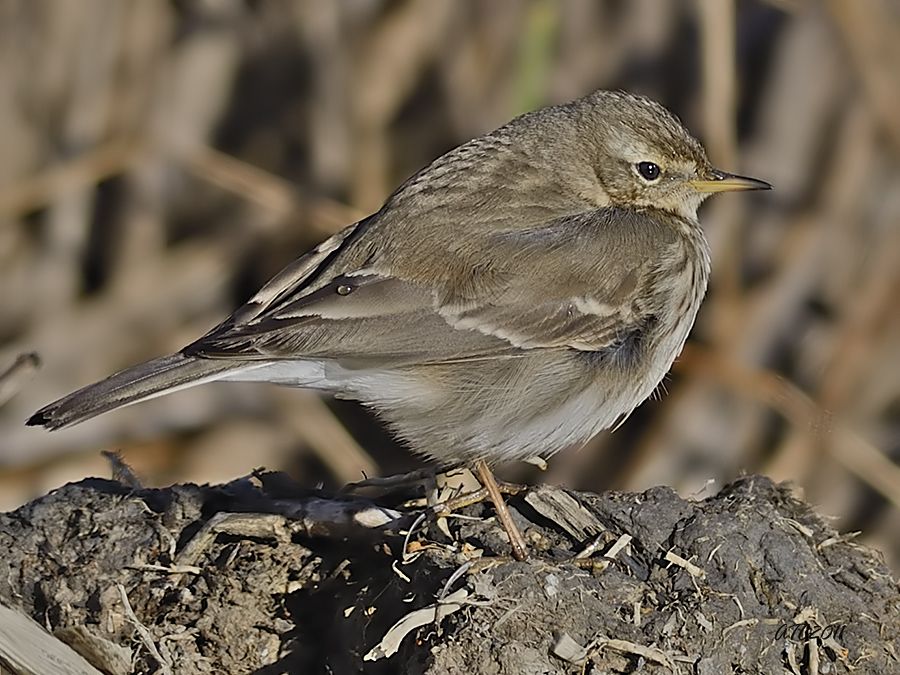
[682, 279]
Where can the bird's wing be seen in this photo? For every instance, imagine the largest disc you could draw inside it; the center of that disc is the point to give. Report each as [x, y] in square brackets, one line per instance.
[328, 304]
[382, 321]
[584, 282]
[559, 286]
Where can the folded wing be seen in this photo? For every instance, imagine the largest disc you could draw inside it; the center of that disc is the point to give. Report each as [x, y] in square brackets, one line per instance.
[537, 289]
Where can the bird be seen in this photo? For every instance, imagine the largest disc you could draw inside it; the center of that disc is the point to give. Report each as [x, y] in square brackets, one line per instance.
[523, 292]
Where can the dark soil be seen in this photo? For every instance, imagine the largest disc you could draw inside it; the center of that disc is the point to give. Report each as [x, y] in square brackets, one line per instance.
[750, 580]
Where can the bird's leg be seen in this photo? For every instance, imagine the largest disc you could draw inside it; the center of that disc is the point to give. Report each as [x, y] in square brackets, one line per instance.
[493, 491]
[490, 489]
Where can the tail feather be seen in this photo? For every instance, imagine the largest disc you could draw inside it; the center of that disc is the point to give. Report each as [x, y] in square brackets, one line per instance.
[138, 383]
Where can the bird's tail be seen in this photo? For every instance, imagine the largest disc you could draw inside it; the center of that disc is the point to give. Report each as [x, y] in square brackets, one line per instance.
[138, 383]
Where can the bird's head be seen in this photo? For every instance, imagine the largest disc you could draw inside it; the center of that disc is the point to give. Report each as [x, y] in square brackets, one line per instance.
[645, 158]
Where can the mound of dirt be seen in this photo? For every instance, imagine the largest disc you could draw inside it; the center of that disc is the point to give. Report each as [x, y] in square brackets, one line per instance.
[261, 576]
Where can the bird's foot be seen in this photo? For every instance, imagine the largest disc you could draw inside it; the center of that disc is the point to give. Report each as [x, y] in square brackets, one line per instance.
[476, 497]
[491, 489]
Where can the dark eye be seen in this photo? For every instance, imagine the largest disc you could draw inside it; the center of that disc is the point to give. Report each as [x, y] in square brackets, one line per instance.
[648, 170]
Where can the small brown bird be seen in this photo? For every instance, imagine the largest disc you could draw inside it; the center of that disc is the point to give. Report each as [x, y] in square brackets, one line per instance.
[518, 295]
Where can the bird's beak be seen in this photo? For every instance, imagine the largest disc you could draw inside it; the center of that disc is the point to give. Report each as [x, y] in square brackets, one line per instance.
[728, 182]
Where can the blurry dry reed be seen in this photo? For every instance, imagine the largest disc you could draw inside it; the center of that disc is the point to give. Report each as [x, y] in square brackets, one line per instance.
[160, 160]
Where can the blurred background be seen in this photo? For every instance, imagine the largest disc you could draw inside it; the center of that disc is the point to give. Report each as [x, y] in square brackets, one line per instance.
[160, 160]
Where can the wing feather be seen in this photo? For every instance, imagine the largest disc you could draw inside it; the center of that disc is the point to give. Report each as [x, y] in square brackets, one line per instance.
[375, 314]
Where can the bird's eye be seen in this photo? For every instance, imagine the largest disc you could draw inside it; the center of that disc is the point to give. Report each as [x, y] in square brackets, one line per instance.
[648, 170]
